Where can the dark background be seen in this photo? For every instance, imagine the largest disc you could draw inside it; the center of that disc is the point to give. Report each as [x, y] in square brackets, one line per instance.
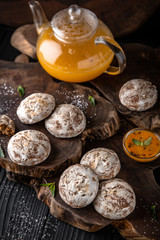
[22, 215]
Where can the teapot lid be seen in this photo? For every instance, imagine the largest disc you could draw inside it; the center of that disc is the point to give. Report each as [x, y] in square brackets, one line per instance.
[74, 24]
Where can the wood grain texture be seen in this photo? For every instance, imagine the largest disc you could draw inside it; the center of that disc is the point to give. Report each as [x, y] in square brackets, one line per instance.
[102, 120]
[142, 62]
[140, 177]
[24, 217]
[140, 224]
[121, 16]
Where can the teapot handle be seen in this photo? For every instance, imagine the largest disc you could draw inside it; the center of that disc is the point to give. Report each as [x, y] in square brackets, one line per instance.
[114, 46]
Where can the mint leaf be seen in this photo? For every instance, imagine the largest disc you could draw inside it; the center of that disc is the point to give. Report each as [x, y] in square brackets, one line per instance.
[92, 100]
[153, 210]
[51, 187]
[1, 152]
[137, 142]
[148, 141]
[20, 89]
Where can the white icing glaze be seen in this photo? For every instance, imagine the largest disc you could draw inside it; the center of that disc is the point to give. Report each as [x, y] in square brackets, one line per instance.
[78, 186]
[29, 147]
[66, 121]
[115, 199]
[35, 107]
[104, 162]
[138, 95]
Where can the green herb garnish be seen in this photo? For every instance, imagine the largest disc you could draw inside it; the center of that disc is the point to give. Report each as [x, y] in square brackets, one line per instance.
[92, 100]
[148, 141]
[20, 89]
[142, 143]
[137, 142]
[153, 210]
[1, 152]
[51, 187]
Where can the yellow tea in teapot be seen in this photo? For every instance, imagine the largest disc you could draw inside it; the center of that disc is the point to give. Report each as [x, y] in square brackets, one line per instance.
[75, 46]
[74, 62]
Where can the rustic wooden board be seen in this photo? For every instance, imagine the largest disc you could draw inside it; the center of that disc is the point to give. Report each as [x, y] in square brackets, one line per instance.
[142, 62]
[85, 218]
[139, 225]
[102, 120]
[24, 39]
[123, 17]
[23, 216]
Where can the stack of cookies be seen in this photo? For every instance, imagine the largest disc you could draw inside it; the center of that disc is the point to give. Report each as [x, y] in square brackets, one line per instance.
[93, 180]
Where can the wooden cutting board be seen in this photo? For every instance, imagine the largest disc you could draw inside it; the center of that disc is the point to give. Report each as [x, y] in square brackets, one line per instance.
[102, 119]
[142, 62]
[140, 224]
[102, 122]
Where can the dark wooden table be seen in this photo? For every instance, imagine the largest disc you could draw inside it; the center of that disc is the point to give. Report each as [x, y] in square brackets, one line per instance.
[22, 215]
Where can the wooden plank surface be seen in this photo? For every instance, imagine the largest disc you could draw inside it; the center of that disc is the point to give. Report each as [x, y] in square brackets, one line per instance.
[60, 231]
[24, 217]
[138, 175]
[142, 63]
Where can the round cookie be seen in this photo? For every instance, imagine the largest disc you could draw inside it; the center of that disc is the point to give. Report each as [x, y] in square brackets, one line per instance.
[115, 199]
[66, 121]
[35, 108]
[78, 186]
[104, 162]
[28, 147]
[138, 95]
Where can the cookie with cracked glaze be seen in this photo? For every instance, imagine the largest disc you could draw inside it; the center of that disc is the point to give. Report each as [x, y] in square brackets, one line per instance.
[115, 199]
[103, 161]
[29, 147]
[35, 108]
[66, 121]
[78, 186]
[138, 95]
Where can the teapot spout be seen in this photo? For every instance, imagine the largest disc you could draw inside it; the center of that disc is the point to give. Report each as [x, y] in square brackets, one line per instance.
[39, 17]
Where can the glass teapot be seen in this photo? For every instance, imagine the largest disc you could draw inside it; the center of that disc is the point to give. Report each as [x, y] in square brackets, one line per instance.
[75, 46]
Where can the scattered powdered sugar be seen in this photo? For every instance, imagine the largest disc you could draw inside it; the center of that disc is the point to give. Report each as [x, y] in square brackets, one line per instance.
[7, 96]
[6, 90]
[2, 141]
[7, 105]
[51, 226]
[74, 98]
[148, 219]
[28, 218]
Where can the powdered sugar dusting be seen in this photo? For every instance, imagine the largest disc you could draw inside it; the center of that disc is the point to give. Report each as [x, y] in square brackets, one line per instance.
[8, 103]
[6, 90]
[74, 98]
[27, 219]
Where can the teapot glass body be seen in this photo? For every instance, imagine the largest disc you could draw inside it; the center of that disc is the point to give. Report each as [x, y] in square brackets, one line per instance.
[76, 61]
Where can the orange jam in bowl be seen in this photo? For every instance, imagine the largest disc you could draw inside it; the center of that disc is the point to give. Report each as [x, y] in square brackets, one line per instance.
[142, 145]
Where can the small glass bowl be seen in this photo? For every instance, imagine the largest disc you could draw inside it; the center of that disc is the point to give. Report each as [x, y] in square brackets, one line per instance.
[139, 157]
